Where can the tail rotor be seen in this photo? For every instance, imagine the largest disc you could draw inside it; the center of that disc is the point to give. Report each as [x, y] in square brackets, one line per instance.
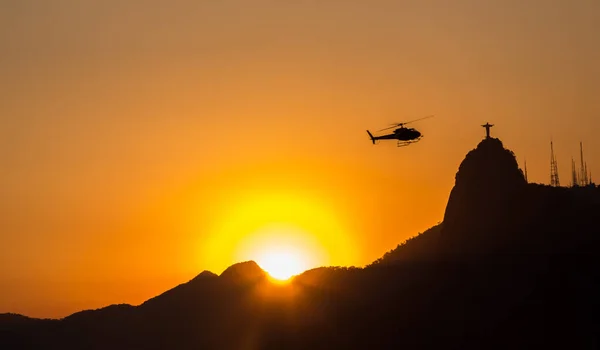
[371, 136]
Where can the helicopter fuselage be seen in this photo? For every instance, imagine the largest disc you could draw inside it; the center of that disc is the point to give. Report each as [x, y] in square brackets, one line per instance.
[403, 135]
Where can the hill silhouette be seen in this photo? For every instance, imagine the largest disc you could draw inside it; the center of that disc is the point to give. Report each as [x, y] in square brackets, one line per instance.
[513, 265]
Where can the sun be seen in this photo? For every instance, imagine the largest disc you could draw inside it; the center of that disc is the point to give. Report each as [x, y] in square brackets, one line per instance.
[282, 250]
[282, 264]
[284, 231]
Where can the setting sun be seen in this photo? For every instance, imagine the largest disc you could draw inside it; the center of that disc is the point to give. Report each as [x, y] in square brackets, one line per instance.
[281, 264]
[282, 250]
[286, 231]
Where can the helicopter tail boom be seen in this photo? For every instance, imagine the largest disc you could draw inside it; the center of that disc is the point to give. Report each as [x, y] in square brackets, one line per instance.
[371, 136]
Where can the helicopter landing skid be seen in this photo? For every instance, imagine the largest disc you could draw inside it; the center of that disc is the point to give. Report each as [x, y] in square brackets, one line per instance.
[406, 143]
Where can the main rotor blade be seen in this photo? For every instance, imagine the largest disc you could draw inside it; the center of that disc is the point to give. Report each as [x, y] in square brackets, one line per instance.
[390, 127]
[395, 125]
[416, 120]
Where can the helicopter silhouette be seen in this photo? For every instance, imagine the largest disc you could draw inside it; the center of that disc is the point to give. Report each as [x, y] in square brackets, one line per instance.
[405, 136]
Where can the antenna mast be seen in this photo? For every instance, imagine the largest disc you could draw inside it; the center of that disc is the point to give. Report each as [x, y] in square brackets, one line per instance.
[554, 180]
[574, 179]
[585, 178]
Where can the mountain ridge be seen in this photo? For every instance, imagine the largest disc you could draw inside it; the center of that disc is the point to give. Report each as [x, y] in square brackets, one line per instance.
[512, 264]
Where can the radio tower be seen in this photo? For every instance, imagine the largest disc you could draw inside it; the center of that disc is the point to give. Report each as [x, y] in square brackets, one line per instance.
[583, 175]
[554, 180]
[574, 179]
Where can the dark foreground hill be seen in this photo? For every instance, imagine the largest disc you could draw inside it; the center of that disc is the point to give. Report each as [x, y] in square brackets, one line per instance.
[513, 265]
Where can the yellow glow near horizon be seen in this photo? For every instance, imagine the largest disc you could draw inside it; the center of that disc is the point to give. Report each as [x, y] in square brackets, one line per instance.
[282, 250]
[284, 232]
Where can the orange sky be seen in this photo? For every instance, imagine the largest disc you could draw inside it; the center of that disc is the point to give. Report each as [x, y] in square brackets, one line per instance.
[137, 135]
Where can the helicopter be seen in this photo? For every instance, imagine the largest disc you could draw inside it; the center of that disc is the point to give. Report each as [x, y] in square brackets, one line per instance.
[405, 136]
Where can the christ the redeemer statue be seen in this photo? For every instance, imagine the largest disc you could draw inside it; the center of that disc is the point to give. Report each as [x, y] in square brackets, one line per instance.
[487, 127]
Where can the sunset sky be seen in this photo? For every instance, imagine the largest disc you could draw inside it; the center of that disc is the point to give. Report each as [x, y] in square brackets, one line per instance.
[142, 142]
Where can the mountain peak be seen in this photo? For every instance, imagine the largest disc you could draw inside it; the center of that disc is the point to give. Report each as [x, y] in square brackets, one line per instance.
[203, 276]
[244, 272]
[488, 183]
[489, 167]
[488, 173]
